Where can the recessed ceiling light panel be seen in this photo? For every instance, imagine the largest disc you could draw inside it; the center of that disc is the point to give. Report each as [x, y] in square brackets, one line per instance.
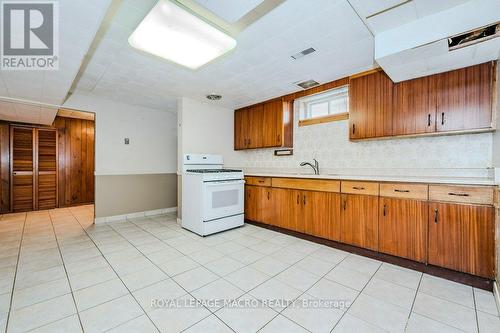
[173, 33]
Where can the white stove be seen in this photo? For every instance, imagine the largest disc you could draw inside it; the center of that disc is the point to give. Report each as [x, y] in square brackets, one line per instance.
[212, 197]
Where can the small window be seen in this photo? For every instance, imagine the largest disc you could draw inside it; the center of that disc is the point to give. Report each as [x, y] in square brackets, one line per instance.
[327, 106]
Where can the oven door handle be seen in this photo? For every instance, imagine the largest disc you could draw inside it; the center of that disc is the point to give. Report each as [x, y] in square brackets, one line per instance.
[225, 182]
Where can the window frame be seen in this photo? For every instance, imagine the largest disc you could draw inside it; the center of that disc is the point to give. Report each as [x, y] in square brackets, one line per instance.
[326, 118]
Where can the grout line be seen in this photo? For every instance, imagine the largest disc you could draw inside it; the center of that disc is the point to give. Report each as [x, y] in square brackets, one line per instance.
[475, 308]
[65, 271]
[356, 298]
[15, 274]
[119, 277]
[414, 299]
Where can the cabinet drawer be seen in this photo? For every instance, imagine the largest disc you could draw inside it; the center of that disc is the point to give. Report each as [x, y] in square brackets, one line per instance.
[482, 195]
[322, 185]
[258, 181]
[402, 190]
[360, 188]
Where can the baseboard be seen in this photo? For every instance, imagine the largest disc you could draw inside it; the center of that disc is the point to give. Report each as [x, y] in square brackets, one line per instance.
[496, 293]
[123, 217]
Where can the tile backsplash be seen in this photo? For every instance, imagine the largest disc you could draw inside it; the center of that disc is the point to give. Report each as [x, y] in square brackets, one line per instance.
[467, 154]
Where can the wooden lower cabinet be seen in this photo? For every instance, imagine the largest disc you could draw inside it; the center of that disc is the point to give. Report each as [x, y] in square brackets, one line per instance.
[402, 228]
[258, 204]
[461, 237]
[321, 214]
[359, 220]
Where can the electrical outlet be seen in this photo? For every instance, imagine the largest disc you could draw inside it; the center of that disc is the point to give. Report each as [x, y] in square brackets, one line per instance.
[127, 141]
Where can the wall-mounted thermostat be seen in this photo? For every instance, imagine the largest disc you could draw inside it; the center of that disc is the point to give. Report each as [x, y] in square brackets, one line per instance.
[127, 141]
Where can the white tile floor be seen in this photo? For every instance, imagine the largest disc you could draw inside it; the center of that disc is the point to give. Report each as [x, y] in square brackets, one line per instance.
[61, 273]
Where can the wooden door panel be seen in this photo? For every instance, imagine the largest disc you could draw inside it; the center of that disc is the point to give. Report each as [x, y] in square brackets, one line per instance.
[273, 124]
[240, 133]
[478, 238]
[370, 106]
[403, 228]
[251, 203]
[464, 98]
[46, 171]
[322, 214]
[359, 224]
[22, 175]
[414, 110]
[255, 126]
[445, 239]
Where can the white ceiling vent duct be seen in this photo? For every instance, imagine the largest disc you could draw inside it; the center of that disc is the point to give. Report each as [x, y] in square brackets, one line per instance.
[307, 84]
[303, 53]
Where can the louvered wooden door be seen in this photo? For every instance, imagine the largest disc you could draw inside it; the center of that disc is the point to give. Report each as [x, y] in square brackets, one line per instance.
[46, 173]
[23, 164]
[34, 169]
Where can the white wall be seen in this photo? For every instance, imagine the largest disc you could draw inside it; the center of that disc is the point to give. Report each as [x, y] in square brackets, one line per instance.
[206, 128]
[152, 133]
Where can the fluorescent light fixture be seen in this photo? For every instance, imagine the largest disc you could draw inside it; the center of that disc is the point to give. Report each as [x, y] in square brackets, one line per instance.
[173, 33]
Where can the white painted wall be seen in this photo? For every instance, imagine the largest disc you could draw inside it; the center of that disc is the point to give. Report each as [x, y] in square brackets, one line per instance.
[152, 133]
[206, 128]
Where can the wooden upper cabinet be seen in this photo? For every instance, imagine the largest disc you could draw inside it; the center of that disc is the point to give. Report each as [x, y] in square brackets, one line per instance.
[414, 106]
[370, 106]
[464, 98]
[264, 125]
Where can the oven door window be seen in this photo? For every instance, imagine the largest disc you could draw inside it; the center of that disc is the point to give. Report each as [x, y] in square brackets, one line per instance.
[223, 199]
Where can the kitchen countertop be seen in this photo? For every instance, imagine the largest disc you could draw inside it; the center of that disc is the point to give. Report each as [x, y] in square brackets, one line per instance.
[406, 179]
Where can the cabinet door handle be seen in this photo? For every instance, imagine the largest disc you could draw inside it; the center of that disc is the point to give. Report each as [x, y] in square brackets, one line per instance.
[402, 191]
[298, 199]
[345, 204]
[429, 119]
[442, 118]
[358, 188]
[353, 128]
[261, 181]
[436, 213]
[459, 194]
[304, 199]
[385, 209]
[268, 195]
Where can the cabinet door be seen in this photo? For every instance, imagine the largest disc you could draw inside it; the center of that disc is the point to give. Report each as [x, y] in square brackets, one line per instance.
[359, 223]
[322, 214]
[445, 238]
[478, 240]
[280, 214]
[370, 106]
[252, 201]
[403, 228]
[464, 98]
[273, 124]
[255, 126]
[295, 220]
[266, 213]
[240, 129]
[414, 109]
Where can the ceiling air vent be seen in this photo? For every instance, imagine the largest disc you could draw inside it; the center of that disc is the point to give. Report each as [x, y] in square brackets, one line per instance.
[303, 53]
[307, 84]
[474, 37]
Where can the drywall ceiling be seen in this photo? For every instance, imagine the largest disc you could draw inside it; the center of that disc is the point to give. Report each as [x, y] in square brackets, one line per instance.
[27, 113]
[230, 11]
[78, 23]
[260, 67]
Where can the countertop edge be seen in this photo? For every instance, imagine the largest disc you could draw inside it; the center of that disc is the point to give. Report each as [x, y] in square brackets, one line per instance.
[400, 179]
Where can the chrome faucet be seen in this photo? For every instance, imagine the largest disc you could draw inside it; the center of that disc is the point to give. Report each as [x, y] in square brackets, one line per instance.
[315, 167]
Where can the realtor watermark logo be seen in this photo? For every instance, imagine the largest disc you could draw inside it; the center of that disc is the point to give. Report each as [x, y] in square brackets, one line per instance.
[30, 35]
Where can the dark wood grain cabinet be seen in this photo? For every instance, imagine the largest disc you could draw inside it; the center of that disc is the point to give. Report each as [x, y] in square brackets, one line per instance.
[370, 106]
[461, 237]
[403, 228]
[359, 224]
[264, 125]
[454, 101]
